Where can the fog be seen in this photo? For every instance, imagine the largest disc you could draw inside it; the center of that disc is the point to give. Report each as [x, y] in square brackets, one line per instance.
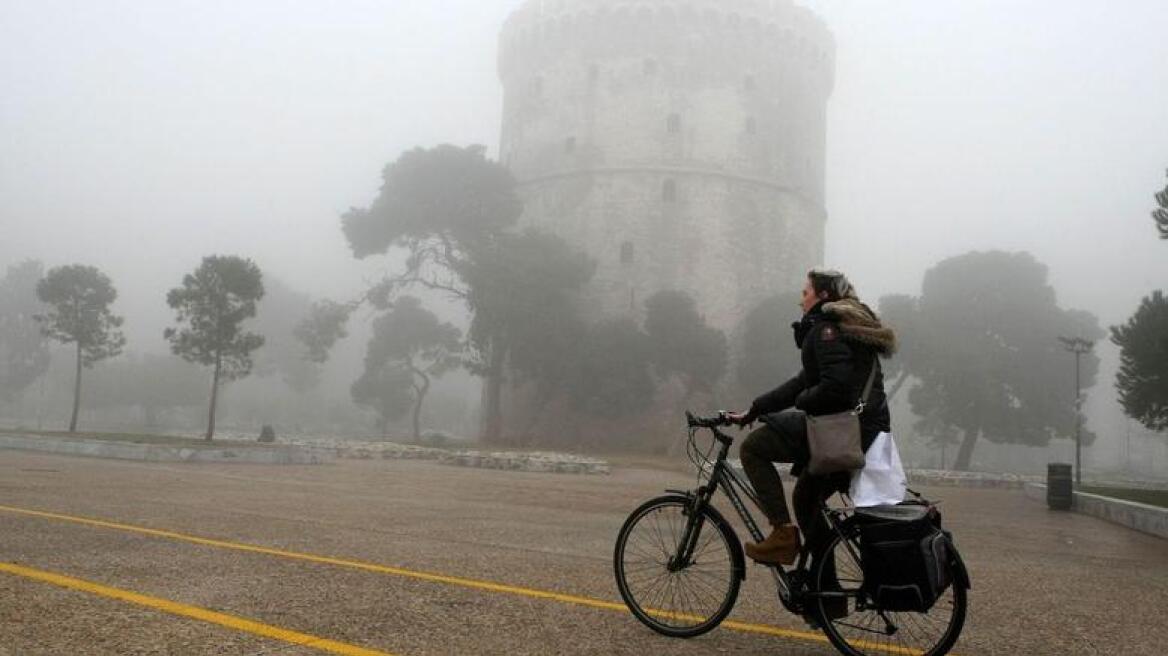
[141, 136]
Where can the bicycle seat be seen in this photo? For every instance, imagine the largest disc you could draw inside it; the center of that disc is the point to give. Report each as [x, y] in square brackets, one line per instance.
[905, 513]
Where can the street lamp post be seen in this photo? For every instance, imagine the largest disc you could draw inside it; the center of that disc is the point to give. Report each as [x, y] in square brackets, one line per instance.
[1078, 346]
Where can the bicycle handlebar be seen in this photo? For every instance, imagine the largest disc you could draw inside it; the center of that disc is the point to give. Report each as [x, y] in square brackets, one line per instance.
[712, 423]
[720, 419]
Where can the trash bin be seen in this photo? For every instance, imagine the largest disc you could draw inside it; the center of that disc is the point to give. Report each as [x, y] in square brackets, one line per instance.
[1058, 486]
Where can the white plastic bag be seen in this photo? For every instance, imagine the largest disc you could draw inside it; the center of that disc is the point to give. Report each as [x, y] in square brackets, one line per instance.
[882, 480]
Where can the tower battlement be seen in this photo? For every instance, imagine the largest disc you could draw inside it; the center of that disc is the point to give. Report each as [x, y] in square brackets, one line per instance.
[541, 26]
[545, 27]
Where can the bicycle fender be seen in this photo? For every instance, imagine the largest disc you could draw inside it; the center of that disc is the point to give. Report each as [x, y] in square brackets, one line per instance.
[735, 543]
[960, 573]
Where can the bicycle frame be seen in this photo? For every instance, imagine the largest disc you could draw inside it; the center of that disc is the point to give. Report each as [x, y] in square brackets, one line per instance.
[806, 588]
[723, 477]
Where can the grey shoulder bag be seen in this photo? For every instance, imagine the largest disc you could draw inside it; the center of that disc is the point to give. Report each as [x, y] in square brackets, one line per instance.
[834, 440]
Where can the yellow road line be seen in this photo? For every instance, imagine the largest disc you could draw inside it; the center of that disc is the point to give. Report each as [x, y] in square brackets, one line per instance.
[747, 627]
[194, 612]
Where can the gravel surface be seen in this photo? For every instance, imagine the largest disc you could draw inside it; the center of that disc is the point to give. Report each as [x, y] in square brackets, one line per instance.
[1044, 582]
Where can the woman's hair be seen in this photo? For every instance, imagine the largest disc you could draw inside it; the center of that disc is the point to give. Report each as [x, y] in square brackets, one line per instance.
[833, 282]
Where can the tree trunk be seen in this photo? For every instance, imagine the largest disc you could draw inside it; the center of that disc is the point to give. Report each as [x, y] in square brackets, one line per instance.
[214, 398]
[542, 401]
[896, 386]
[493, 401]
[150, 415]
[965, 453]
[421, 394]
[76, 392]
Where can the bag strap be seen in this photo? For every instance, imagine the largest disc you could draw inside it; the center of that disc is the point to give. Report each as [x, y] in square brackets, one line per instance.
[868, 386]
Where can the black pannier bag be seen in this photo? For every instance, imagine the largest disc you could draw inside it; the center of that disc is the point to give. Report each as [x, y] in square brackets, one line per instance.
[905, 556]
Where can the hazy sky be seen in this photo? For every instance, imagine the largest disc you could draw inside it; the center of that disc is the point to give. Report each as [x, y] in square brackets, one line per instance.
[140, 136]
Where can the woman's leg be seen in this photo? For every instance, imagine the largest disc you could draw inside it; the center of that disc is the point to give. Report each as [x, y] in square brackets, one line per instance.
[760, 450]
[808, 496]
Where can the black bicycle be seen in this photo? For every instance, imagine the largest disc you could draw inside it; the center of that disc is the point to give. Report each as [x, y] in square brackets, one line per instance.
[679, 565]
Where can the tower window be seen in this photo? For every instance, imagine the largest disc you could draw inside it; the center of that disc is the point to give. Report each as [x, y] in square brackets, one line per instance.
[669, 191]
[748, 83]
[673, 124]
[751, 125]
[650, 67]
[537, 86]
[570, 144]
[626, 253]
[593, 74]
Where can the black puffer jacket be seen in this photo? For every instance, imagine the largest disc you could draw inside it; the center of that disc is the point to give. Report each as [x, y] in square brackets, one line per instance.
[840, 343]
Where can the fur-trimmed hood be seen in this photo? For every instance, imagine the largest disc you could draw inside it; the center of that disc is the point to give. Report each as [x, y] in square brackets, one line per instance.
[859, 323]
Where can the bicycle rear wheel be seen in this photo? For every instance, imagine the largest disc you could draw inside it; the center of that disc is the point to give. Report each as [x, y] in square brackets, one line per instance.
[868, 631]
[680, 600]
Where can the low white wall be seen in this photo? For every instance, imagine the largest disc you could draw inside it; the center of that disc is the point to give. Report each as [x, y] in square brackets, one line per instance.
[164, 452]
[1140, 516]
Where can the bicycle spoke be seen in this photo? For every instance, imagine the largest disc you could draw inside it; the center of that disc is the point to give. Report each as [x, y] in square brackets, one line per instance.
[689, 597]
[700, 587]
[866, 632]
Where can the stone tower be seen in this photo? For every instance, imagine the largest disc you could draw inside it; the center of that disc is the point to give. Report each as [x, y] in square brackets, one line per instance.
[679, 142]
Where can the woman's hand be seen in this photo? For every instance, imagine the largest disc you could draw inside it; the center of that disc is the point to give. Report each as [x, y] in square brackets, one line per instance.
[740, 419]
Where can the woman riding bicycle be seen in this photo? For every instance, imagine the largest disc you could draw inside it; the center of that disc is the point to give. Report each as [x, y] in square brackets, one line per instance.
[840, 338]
[883, 578]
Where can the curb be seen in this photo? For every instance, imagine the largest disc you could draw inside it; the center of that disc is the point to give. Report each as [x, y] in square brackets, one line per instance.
[164, 453]
[943, 478]
[1142, 517]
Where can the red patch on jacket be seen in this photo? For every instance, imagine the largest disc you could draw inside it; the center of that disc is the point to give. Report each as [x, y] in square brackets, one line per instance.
[829, 334]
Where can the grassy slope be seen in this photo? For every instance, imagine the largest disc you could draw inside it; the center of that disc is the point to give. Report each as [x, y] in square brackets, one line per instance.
[1150, 497]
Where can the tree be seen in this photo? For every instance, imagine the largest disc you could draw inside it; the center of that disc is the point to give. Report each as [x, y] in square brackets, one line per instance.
[939, 434]
[211, 306]
[152, 382]
[1160, 214]
[387, 390]
[986, 354]
[441, 204]
[453, 211]
[24, 351]
[447, 207]
[683, 343]
[79, 299]
[410, 338]
[1142, 379]
[321, 328]
[900, 312]
[769, 355]
[522, 293]
[283, 354]
[612, 377]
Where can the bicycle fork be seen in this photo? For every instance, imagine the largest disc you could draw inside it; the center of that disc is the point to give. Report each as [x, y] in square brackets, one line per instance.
[684, 553]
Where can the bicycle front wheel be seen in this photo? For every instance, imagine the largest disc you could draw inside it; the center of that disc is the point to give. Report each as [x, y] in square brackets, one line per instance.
[677, 598]
[858, 628]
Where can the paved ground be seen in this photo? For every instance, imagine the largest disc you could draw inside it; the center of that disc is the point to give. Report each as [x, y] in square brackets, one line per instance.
[1044, 583]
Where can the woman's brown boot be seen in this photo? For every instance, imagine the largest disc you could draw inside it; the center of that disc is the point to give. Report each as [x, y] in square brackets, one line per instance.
[781, 546]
